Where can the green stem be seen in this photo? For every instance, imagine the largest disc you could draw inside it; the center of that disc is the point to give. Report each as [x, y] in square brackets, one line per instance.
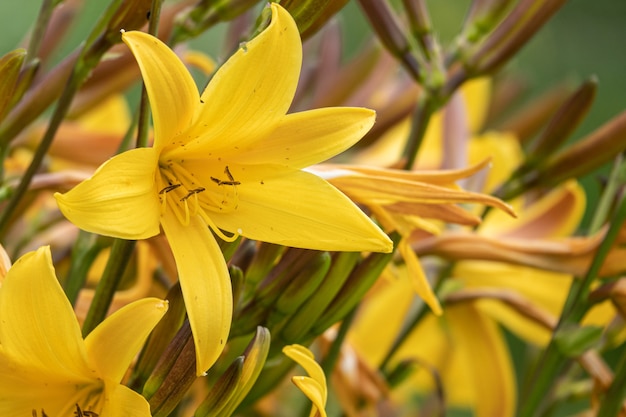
[144, 106]
[553, 359]
[40, 27]
[329, 361]
[84, 252]
[614, 397]
[608, 196]
[425, 108]
[121, 251]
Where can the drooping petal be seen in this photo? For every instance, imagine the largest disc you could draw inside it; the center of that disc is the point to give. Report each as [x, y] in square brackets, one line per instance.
[38, 325]
[314, 392]
[299, 209]
[418, 277]
[119, 200]
[307, 138]
[253, 90]
[114, 343]
[555, 215]
[487, 360]
[121, 401]
[205, 284]
[172, 92]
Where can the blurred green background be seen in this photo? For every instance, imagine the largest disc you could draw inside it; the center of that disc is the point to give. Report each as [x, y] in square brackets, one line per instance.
[584, 38]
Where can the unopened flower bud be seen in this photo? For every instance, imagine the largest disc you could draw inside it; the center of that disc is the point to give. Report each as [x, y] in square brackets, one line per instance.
[131, 15]
[173, 375]
[10, 66]
[311, 15]
[235, 383]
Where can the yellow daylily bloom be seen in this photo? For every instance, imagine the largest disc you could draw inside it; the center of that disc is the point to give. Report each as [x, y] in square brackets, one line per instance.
[227, 160]
[314, 385]
[46, 366]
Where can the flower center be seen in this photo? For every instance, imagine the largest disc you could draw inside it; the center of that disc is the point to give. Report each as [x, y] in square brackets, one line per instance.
[186, 195]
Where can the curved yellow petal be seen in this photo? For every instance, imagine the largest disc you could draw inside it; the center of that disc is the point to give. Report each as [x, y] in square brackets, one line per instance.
[418, 277]
[314, 387]
[487, 359]
[205, 284]
[555, 215]
[172, 92]
[253, 90]
[299, 209]
[119, 200]
[314, 392]
[121, 401]
[309, 137]
[38, 326]
[113, 344]
[303, 357]
[546, 290]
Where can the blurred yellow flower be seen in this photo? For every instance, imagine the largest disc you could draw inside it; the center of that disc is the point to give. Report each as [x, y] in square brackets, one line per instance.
[47, 368]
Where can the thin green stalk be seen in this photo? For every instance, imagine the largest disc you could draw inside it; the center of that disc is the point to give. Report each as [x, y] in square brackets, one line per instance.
[121, 251]
[85, 250]
[425, 108]
[608, 196]
[329, 361]
[553, 360]
[144, 107]
[40, 27]
[613, 400]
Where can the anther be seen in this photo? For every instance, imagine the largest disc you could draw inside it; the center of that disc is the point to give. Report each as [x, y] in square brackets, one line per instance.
[192, 192]
[169, 188]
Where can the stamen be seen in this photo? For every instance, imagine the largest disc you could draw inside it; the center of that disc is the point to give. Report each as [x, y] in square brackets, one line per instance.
[193, 192]
[186, 222]
[216, 229]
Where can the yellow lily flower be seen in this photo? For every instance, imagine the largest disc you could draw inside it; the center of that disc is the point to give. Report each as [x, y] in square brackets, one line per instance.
[47, 368]
[227, 160]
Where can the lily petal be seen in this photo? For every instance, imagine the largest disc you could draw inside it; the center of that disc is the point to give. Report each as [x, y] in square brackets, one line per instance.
[114, 343]
[314, 392]
[253, 90]
[121, 401]
[172, 92]
[39, 327]
[119, 200]
[314, 386]
[307, 138]
[205, 284]
[301, 210]
[487, 359]
[418, 277]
